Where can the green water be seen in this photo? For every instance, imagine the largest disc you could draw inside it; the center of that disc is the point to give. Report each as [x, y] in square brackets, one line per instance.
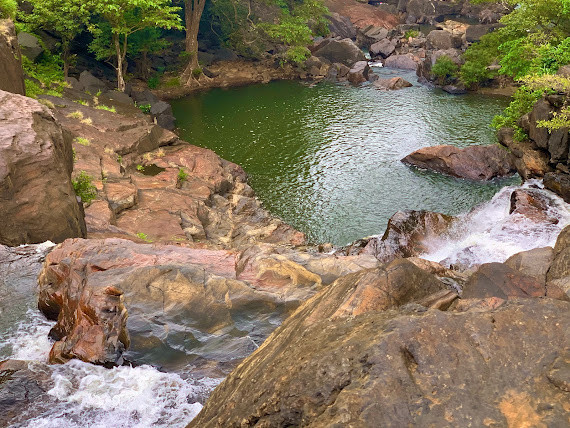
[326, 158]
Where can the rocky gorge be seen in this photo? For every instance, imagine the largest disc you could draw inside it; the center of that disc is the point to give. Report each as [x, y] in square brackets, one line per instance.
[175, 274]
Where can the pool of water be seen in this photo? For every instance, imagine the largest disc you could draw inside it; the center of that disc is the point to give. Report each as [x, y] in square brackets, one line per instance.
[326, 158]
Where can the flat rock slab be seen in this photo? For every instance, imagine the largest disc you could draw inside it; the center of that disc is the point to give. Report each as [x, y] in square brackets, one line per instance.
[472, 162]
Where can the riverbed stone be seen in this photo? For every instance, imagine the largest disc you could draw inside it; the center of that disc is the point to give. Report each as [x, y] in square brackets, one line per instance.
[559, 183]
[403, 61]
[400, 368]
[384, 47]
[533, 205]
[472, 162]
[534, 263]
[394, 83]
[359, 73]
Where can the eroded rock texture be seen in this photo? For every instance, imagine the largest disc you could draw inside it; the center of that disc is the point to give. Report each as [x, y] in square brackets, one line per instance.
[37, 200]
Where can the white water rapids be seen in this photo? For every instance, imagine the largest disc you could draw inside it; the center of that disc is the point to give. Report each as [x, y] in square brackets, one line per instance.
[488, 233]
[84, 395]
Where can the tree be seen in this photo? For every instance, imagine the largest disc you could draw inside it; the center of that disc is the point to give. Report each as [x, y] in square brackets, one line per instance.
[121, 19]
[67, 18]
[193, 15]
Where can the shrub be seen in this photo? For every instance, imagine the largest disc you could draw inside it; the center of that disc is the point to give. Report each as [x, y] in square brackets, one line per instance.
[445, 69]
[153, 82]
[8, 9]
[197, 72]
[143, 236]
[411, 33]
[106, 108]
[84, 188]
[82, 141]
[182, 176]
[47, 70]
[297, 54]
[145, 108]
[75, 115]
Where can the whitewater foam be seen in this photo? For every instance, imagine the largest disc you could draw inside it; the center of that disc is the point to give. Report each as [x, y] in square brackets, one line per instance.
[488, 233]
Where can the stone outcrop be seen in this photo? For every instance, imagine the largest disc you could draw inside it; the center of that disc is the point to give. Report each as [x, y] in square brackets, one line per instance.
[10, 60]
[406, 236]
[472, 162]
[558, 275]
[342, 51]
[403, 367]
[211, 295]
[37, 200]
[135, 166]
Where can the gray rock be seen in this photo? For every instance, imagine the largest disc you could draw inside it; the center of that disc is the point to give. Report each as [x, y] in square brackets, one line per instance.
[540, 111]
[473, 33]
[392, 84]
[341, 26]
[558, 145]
[29, 45]
[385, 47]
[441, 40]
[344, 51]
[534, 263]
[91, 83]
[404, 61]
[359, 73]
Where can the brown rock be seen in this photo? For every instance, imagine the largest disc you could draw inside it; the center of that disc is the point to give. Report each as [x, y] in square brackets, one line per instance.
[534, 263]
[344, 51]
[540, 111]
[529, 162]
[10, 60]
[37, 201]
[441, 39]
[402, 61]
[531, 204]
[559, 183]
[472, 162]
[405, 236]
[499, 280]
[392, 84]
[406, 368]
[384, 47]
[185, 305]
[359, 73]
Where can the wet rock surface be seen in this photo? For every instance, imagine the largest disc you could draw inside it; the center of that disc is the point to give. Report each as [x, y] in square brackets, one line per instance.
[472, 162]
[410, 366]
[185, 305]
[37, 200]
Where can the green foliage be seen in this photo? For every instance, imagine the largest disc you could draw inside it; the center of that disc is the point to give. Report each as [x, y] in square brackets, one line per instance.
[8, 9]
[522, 103]
[140, 168]
[48, 72]
[445, 69]
[411, 33]
[83, 141]
[153, 82]
[145, 108]
[197, 72]
[182, 176]
[143, 236]
[106, 108]
[84, 187]
[534, 39]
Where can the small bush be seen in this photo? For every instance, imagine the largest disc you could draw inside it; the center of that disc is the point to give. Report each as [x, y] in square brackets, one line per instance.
[522, 103]
[445, 69]
[182, 175]
[8, 9]
[153, 82]
[82, 141]
[82, 102]
[75, 115]
[143, 236]
[197, 72]
[297, 54]
[411, 33]
[145, 108]
[84, 187]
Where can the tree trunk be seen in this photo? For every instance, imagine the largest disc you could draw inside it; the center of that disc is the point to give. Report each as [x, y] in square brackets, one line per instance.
[65, 55]
[120, 78]
[193, 14]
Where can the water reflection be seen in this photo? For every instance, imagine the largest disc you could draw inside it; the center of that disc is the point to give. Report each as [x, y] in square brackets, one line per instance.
[327, 158]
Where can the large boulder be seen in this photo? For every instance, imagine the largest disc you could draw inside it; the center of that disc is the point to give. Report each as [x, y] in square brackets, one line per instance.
[442, 40]
[359, 73]
[392, 84]
[539, 135]
[343, 51]
[534, 263]
[472, 162]
[559, 183]
[412, 367]
[532, 204]
[185, 305]
[529, 161]
[473, 33]
[341, 26]
[406, 235]
[384, 47]
[37, 200]
[29, 45]
[10, 60]
[403, 61]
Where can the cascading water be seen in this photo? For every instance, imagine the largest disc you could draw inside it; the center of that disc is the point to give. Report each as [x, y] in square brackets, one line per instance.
[488, 233]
